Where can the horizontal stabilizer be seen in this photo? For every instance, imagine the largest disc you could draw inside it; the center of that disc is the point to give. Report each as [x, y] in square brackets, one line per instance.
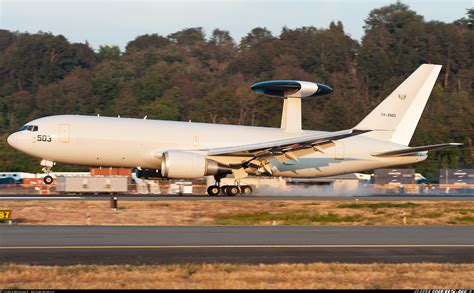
[413, 150]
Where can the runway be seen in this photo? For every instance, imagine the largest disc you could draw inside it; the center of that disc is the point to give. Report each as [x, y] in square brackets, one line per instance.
[173, 197]
[65, 245]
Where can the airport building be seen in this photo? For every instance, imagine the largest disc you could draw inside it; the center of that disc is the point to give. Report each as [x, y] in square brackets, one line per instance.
[394, 176]
[456, 176]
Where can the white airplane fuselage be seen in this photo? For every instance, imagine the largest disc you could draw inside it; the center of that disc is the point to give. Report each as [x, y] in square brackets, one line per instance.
[126, 142]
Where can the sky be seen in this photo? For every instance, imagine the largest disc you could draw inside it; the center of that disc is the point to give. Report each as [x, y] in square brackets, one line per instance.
[112, 22]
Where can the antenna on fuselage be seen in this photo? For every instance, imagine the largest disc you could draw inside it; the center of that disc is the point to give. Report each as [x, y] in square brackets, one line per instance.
[292, 91]
[98, 115]
[144, 118]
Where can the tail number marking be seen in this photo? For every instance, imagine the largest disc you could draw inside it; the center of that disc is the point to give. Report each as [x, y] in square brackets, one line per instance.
[390, 115]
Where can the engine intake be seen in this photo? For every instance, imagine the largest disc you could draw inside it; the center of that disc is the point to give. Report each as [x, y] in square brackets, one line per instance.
[186, 165]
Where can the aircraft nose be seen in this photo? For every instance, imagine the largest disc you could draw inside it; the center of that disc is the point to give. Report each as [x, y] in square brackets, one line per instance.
[12, 139]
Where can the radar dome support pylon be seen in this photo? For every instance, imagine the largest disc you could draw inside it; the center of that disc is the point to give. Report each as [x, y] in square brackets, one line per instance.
[292, 91]
[291, 118]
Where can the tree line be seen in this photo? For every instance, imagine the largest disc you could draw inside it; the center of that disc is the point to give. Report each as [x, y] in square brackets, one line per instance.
[186, 76]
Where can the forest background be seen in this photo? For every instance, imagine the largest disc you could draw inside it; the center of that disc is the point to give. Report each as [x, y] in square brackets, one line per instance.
[188, 76]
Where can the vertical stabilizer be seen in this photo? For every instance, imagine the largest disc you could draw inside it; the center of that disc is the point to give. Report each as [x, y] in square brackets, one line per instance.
[396, 118]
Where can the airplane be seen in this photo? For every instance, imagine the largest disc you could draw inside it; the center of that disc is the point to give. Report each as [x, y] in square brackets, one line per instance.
[189, 150]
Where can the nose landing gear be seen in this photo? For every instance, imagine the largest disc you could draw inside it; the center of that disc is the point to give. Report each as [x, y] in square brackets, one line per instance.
[47, 166]
[48, 179]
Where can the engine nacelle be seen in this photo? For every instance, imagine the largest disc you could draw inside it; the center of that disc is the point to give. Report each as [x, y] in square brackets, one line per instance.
[186, 165]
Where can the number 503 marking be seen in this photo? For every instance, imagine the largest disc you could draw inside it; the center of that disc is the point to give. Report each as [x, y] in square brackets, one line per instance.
[44, 138]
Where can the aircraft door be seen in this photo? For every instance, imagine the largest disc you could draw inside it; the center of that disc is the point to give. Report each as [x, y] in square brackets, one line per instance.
[64, 133]
[338, 150]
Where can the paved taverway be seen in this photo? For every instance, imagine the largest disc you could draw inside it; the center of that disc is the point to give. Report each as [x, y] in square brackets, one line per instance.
[62, 245]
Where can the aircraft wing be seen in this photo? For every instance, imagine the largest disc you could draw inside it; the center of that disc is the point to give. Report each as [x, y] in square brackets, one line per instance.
[413, 150]
[284, 148]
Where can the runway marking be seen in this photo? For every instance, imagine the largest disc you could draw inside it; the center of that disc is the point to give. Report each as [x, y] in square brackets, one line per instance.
[240, 246]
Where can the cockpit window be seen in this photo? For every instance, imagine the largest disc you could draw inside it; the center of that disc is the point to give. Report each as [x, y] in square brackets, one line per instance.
[29, 128]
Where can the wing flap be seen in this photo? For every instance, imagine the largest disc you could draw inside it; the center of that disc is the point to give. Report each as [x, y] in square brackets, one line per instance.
[413, 150]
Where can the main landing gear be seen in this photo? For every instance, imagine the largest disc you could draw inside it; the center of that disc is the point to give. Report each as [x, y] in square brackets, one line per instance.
[230, 190]
[47, 166]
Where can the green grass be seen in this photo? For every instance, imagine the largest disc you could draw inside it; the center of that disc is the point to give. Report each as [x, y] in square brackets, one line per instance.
[377, 205]
[287, 218]
[432, 215]
[190, 270]
[463, 211]
[311, 204]
[129, 268]
[81, 269]
[157, 205]
[462, 220]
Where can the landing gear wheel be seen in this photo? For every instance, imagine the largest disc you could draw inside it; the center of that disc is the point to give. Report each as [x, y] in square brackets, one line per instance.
[246, 189]
[232, 190]
[48, 179]
[213, 190]
[224, 189]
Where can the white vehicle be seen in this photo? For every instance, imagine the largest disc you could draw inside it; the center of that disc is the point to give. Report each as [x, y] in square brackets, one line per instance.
[188, 150]
[182, 188]
[91, 184]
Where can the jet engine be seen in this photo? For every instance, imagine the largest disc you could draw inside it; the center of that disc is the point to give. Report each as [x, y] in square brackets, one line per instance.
[186, 165]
